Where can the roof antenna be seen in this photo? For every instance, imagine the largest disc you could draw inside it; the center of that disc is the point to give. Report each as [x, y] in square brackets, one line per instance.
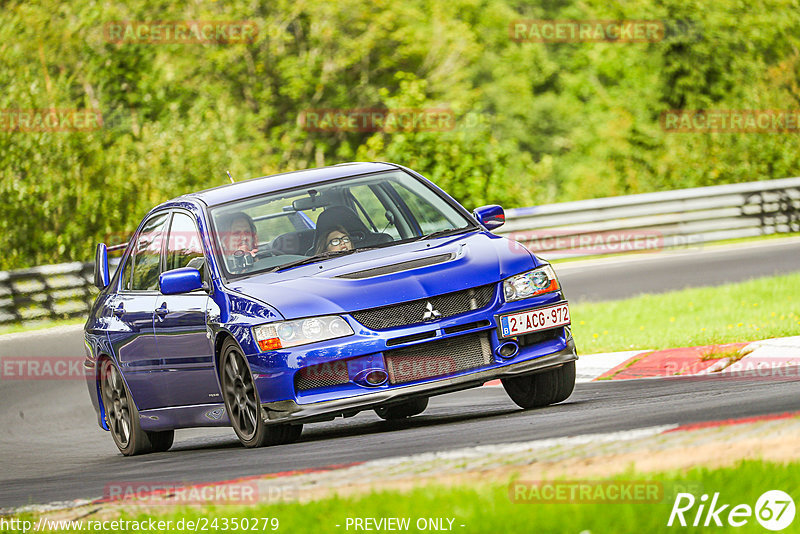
[229, 176]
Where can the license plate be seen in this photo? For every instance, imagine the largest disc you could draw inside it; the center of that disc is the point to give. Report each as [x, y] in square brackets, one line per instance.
[534, 320]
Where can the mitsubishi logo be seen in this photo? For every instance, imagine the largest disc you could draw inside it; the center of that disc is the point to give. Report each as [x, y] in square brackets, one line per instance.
[430, 313]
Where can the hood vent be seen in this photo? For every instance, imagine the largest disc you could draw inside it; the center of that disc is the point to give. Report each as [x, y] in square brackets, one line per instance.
[397, 267]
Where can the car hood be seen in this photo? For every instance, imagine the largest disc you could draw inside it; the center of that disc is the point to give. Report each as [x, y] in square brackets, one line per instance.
[382, 277]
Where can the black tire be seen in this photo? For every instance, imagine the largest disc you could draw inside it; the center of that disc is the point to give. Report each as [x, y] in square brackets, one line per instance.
[542, 389]
[121, 413]
[243, 404]
[404, 410]
[162, 441]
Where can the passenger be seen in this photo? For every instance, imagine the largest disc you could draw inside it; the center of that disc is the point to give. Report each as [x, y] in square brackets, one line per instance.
[345, 221]
[336, 239]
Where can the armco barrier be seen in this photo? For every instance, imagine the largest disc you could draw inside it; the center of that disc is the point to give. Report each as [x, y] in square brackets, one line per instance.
[46, 292]
[667, 219]
[585, 227]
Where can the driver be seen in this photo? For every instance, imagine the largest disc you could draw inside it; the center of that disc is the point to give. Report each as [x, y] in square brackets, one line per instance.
[240, 243]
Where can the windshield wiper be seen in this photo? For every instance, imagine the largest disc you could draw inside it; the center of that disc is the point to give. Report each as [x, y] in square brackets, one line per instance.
[312, 259]
[445, 232]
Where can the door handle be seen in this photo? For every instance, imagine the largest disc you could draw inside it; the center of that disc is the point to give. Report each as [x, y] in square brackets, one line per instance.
[162, 311]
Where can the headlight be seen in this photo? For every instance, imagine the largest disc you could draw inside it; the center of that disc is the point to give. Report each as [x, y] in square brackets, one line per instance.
[526, 285]
[285, 334]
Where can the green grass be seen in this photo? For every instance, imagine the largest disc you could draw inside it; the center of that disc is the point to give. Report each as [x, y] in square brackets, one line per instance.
[489, 508]
[39, 325]
[757, 309]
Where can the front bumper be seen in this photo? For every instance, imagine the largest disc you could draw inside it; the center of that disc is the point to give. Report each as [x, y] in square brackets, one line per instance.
[288, 411]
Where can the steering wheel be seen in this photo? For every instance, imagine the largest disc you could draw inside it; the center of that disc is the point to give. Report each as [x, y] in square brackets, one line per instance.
[265, 251]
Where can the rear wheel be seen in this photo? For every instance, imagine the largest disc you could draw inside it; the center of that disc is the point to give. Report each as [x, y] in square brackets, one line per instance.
[122, 416]
[404, 410]
[542, 389]
[243, 405]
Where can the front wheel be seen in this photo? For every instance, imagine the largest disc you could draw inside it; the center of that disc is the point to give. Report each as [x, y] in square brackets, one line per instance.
[542, 389]
[243, 404]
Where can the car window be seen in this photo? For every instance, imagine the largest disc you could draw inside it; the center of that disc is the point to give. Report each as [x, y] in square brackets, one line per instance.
[257, 234]
[184, 248]
[373, 210]
[429, 212]
[126, 273]
[273, 224]
[146, 264]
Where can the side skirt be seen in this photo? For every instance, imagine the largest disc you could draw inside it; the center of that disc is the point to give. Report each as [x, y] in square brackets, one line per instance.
[198, 415]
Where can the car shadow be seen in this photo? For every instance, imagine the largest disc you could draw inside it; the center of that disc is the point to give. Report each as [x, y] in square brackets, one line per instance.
[367, 423]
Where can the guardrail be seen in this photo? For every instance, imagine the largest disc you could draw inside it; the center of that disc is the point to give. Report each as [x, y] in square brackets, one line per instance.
[46, 293]
[648, 221]
[653, 221]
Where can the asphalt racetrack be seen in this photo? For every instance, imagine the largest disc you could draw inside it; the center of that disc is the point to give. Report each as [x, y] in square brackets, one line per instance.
[51, 448]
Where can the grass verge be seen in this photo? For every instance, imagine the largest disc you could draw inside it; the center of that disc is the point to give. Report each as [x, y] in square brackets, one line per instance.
[757, 309]
[39, 325]
[491, 508]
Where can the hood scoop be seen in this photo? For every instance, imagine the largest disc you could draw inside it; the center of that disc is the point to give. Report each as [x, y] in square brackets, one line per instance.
[397, 267]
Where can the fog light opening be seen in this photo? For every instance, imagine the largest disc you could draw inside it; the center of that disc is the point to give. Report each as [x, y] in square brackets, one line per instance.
[371, 377]
[507, 350]
[376, 378]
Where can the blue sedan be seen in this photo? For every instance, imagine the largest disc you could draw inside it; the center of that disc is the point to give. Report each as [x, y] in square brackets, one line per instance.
[300, 297]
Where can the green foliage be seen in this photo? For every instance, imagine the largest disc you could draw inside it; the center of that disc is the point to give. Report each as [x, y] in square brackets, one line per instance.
[534, 122]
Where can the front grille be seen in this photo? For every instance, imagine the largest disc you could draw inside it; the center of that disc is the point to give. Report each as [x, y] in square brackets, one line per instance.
[466, 326]
[414, 312]
[438, 358]
[322, 375]
[410, 339]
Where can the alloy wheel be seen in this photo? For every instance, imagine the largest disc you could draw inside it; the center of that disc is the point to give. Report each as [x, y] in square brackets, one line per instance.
[240, 394]
[117, 404]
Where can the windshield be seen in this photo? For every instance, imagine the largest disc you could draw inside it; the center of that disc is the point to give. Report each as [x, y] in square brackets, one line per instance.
[280, 230]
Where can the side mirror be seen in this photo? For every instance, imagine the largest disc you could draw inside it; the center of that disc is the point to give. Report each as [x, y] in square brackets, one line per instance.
[101, 278]
[183, 280]
[491, 216]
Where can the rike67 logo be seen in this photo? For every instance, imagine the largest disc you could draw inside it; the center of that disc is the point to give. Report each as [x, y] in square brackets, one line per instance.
[774, 510]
